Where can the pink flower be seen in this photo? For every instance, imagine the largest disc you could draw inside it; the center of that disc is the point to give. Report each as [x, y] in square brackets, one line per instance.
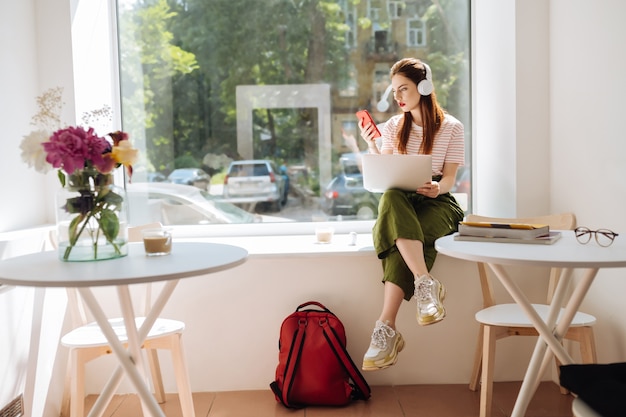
[74, 148]
[107, 165]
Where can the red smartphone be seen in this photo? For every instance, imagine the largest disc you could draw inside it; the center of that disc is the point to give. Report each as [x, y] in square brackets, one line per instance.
[366, 118]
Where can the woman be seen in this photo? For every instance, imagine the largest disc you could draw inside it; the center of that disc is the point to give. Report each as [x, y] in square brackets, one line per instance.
[409, 222]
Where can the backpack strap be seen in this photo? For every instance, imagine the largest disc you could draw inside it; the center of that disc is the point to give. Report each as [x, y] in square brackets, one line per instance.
[321, 306]
[362, 389]
[293, 359]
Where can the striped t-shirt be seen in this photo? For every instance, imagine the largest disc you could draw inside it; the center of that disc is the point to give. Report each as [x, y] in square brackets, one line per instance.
[449, 146]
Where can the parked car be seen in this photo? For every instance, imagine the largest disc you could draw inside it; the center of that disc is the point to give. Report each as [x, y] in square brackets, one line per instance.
[190, 176]
[346, 196]
[155, 177]
[141, 175]
[255, 181]
[177, 204]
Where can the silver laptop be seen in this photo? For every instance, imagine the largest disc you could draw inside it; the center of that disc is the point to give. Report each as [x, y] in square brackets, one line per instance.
[404, 172]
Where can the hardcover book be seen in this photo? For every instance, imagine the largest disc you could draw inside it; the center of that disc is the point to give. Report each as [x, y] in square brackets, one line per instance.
[508, 230]
[546, 239]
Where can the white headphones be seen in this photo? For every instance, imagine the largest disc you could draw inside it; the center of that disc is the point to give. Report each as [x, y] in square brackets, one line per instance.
[426, 87]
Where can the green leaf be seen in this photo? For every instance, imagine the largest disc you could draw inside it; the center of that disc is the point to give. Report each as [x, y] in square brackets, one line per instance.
[61, 176]
[112, 198]
[82, 204]
[73, 235]
[109, 224]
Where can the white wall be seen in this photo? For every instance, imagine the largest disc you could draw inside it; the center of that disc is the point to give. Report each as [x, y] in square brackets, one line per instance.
[35, 41]
[588, 164]
[511, 107]
[233, 319]
[549, 89]
[19, 86]
[494, 138]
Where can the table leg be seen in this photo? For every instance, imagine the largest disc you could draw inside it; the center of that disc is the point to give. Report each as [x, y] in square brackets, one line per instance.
[35, 340]
[542, 327]
[557, 301]
[109, 390]
[126, 360]
[553, 314]
[541, 355]
[576, 299]
[134, 343]
[105, 397]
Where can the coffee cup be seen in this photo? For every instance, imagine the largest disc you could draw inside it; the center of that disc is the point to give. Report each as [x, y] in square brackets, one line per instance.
[157, 242]
[324, 234]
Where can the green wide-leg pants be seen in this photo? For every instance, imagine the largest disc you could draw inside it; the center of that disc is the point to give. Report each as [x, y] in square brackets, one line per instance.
[409, 215]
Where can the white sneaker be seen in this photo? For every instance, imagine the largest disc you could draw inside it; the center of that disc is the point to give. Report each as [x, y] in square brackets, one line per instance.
[430, 294]
[384, 348]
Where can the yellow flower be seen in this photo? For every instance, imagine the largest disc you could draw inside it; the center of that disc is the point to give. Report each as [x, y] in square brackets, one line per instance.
[124, 153]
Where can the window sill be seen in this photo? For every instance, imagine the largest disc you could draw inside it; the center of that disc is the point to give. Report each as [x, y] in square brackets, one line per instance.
[301, 245]
[262, 240]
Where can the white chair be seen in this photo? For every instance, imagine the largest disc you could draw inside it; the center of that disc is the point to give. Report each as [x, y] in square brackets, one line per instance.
[86, 342]
[498, 321]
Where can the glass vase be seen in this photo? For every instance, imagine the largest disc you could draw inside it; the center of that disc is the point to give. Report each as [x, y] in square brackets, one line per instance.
[92, 218]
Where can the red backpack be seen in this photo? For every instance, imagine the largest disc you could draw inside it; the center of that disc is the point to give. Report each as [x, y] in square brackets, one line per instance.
[314, 367]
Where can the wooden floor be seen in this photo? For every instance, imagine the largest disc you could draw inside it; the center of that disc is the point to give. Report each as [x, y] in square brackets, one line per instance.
[386, 401]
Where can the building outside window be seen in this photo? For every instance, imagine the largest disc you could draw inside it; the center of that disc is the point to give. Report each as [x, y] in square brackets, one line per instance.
[374, 9]
[203, 84]
[415, 33]
[380, 84]
[350, 16]
[395, 9]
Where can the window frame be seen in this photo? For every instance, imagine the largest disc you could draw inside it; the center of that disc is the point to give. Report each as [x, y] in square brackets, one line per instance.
[350, 12]
[416, 33]
[287, 228]
[395, 9]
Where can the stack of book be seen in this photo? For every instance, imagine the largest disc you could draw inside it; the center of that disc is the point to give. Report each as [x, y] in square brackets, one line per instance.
[506, 233]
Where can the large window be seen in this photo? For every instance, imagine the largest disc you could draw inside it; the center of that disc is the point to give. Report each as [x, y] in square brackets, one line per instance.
[207, 83]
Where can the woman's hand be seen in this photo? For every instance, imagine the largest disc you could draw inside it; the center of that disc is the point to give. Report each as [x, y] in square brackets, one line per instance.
[430, 189]
[368, 132]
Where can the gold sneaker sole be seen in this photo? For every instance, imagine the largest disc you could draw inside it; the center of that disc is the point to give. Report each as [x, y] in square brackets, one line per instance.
[437, 317]
[372, 366]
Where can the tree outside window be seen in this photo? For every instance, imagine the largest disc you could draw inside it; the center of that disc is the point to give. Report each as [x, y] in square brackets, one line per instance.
[181, 63]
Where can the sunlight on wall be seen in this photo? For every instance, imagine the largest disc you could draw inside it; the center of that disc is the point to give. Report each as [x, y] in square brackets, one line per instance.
[92, 64]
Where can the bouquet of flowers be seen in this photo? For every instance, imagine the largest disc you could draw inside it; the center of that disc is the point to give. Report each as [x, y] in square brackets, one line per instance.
[85, 163]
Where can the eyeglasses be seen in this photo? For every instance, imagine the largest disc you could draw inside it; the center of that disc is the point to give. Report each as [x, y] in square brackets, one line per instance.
[604, 237]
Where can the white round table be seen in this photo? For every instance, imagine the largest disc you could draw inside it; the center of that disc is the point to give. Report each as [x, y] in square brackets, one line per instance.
[565, 253]
[188, 259]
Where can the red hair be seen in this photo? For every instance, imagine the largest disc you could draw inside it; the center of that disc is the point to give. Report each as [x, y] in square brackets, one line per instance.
[432, 113]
